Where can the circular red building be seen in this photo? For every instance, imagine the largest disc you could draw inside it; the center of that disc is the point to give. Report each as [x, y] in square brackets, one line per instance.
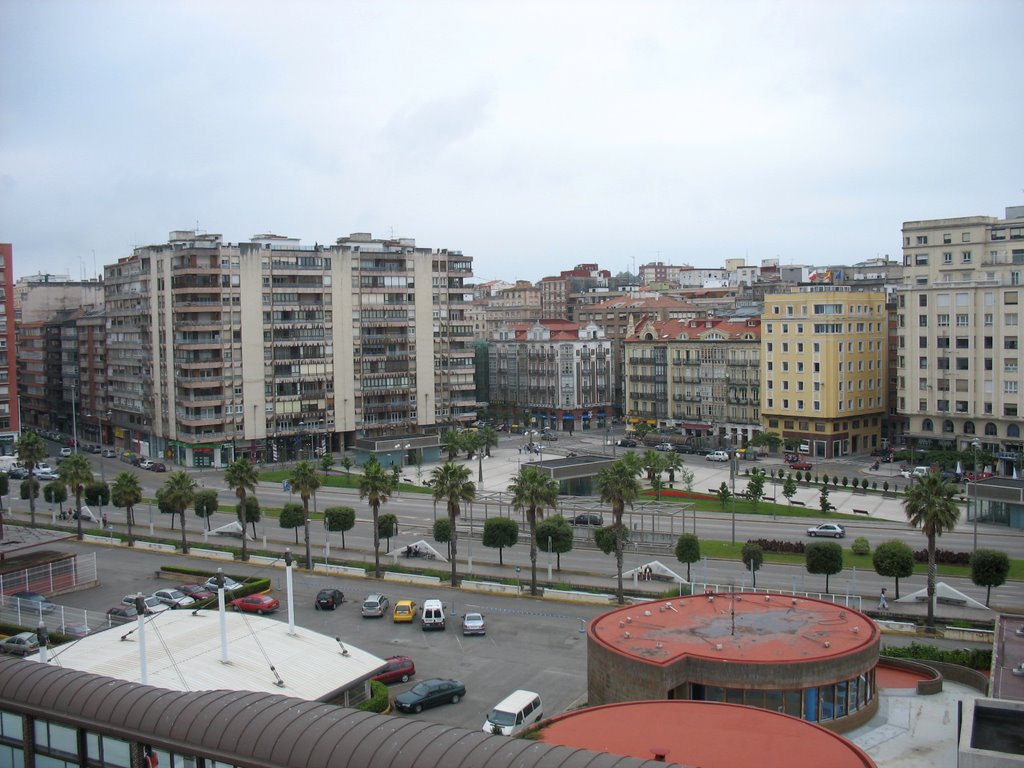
[801, 656]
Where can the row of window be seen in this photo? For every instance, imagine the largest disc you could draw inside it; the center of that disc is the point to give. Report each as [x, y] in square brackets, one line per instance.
[991, 430]
[831, 309]
[871, 402]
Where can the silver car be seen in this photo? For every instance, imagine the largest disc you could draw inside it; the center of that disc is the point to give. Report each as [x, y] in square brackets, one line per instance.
[375, 606]
[827, 529]
[474, 624]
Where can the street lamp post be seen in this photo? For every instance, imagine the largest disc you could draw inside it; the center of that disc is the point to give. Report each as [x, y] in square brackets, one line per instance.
[74, 420]
[975, 444]
[732, 478]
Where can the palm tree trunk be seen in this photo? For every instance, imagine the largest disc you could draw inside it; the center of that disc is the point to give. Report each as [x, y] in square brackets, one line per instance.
[305, 528]
[32, 501]
[78, 510]
[532, 519]
[376, 541]
[453, 545]
[242, 520]
[931, 582]
[184, 538]
[618, 562]
[128, 518]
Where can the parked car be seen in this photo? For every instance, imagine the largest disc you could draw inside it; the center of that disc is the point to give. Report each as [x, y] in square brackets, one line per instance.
[972, 476]
[46, 474]
[93, 449]
[174, 598]
[405, 611]
[430, 693]
[801, 466]
[328, 599]
[153, 603]
[145, 463]
[717, 456]
[79, 629]
[664, 447]
[474, 624]
[684, 448]
[827, 529]
[375, 605]
[65, 451]
[398, 670]
[230, 585]
[157, 466]
[197, 592]
[549, 436]
[260, 604]
[122, 614]
[109, 453]
[791, 457]
[587, 519]
[32, 601]
[627, 443]
[21, 644]
[888, 458]
[17, 473]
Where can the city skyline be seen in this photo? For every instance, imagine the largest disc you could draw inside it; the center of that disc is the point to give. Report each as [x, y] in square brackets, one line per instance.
[531, 137]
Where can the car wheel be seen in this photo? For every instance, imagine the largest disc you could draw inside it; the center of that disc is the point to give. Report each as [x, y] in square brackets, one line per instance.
[812, 534]
[455, 699]
[839, 535]
[259, 611]
[405, 678]
[316, 606]
[418, 708]
[234, 608]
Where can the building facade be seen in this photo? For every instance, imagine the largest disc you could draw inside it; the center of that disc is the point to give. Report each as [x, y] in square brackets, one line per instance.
[556, 374]
[701, 377]
[10, 416]
[959, 326]
[823, 368]
[279, 351]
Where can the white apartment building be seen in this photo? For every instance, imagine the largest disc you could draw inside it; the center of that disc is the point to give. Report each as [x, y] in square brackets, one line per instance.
[277, 351]
[959, 332]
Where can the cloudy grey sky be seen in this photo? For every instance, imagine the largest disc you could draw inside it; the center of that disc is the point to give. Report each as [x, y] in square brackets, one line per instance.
[530, 135]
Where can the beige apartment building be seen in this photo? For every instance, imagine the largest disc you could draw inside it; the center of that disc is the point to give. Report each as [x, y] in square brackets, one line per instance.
[959, 333]
[823, 368]
[702, 377]
[276, 350]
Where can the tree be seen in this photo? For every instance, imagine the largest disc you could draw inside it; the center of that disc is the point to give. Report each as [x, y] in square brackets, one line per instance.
[126, 492]
[789, 489]
[824, 557]
[688, 551]
[305, 482]
[179, 493]
[442, 533]
[500, 532]
[56, 492]
[346, 464]
[31, 450]
[930, 506]
[387, 525]
[326, 463]
[29, 488]
[533, 492]
[76, 472]
[755, 488]
[340, 519]
[989, 568]
[753, 559]
[657, 484]
[771, 440]
[823, 502]
[554, 534]
[617, 485]
[249, 513]
[652, 463]
[241, 477]
[5, 488]
[453, 486]
[292, 516]
[611, 538]
[488, 440]
[673, 463]
[97, 493]
[376, 486]
[724, 494]
[452, 444]
[686, 478]
[894, 559]
[206, 504]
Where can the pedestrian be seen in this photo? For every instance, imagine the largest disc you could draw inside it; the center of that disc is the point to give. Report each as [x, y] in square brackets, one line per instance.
[883, 604]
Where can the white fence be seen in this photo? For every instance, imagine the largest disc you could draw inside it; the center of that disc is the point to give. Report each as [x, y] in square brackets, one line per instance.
[850, 601]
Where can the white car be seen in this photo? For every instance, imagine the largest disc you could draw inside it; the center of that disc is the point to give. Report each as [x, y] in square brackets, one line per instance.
[174, 598]
[664, 447]
[230, 585]
[145, 463]
[827, 529]
[65, 451]
[153, 603]
[46, 474]
[718, 456]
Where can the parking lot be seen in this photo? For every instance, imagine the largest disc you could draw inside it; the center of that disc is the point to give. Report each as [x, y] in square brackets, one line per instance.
[529, 644]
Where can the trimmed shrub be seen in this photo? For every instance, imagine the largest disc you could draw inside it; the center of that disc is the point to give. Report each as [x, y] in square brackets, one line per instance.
[861, 546]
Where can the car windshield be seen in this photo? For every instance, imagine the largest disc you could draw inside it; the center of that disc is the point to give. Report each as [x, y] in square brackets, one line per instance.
[174, 594]
[474, 618]
[421, 689]
[497, 717]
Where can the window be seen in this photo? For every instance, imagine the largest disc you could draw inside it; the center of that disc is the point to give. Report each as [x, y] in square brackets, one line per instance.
[989, 317]
[962, 320]
[947, 238]
[1010, 387]
[965, 237]
[963, 342]
[942, 321]
[922, 300]
[1010, 297]
[1009, 342]
[963, 364]
[1010, 410]
[927, 426]
[922, 239]
[922, 362]
[922, 342]
[921, 260]
[947, 257]
[922, 321]
[998, 234]
[965, 257]
[1010, 319]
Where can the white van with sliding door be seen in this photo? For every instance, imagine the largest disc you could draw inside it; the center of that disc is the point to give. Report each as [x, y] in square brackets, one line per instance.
[514, 714]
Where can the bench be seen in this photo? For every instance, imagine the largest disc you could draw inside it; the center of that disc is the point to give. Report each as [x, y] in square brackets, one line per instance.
[713, 490]
[861, 512]
[798, 503]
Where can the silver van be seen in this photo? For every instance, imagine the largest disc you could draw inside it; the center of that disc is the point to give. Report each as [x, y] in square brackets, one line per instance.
[432, 616]
[514, 714]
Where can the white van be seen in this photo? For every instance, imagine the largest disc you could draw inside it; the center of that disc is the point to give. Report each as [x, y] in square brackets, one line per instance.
[514, 714]
[433, 615]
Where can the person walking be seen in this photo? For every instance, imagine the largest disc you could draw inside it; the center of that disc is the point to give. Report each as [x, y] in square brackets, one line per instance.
[883, 603]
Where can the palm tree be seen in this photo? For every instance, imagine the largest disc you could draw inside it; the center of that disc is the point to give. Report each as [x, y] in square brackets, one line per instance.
[375, 485]
[673, 463]
[241, 477]
[488, 440]
[533, 491]
[305, 482]
[76, 472]
[127, 492]
[31, 451]
[452, 444]
[929, 505]
[618, 486]
[178, 492]
[452, 483]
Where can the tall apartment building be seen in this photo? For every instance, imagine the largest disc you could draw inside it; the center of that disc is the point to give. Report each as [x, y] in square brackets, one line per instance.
[276, 350]
[10, 417]
[959, 326]
[557, 291]
[702, 377]
[823, 367]
[554, 374]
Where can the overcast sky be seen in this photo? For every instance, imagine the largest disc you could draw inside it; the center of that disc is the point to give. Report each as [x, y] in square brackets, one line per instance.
[530, 135]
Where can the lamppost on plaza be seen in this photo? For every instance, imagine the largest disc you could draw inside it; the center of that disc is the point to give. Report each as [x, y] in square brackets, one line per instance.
[732, 477]
[74, 419]
[975, 445]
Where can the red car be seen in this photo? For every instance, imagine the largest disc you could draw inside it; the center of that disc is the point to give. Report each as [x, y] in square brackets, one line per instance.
[256, 604]
[197, 592]
[398, 670]
[801, 465]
